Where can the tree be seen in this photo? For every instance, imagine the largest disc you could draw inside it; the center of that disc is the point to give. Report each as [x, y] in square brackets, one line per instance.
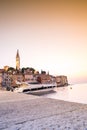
[11, 69]
[32, 70]
[28, 69]
[22, 70]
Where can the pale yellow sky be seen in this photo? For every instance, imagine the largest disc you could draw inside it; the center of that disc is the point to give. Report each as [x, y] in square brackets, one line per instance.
[50, 35]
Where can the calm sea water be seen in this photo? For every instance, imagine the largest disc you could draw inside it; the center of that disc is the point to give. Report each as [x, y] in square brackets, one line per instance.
[72, 93]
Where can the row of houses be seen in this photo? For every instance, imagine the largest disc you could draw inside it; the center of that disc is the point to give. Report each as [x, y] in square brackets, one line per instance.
[11, 79]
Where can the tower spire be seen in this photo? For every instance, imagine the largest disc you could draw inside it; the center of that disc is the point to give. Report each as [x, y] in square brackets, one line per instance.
[17, 60]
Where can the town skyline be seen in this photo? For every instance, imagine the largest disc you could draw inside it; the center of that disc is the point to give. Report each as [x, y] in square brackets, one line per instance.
[50, 35]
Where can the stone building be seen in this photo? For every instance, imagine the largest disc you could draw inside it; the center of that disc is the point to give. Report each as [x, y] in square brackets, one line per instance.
[44, 78]
[0, 79]
[17, 60]
[61, 80]
[17, 77]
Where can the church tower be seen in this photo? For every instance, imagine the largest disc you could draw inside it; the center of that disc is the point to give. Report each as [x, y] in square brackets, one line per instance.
[17, 60]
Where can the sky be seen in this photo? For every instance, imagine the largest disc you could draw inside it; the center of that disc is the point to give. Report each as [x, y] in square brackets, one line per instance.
[51, 35]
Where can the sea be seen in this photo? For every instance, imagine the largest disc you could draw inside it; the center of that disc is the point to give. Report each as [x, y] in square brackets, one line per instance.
[72, 93]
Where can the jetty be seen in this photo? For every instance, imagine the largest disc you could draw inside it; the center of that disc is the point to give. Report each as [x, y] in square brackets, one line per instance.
[34, 86]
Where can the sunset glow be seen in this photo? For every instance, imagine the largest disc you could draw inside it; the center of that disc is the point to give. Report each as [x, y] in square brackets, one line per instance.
[50, 35]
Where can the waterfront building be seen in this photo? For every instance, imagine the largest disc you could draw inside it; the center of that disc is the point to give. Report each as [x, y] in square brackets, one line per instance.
[61, 80]
[44, 78]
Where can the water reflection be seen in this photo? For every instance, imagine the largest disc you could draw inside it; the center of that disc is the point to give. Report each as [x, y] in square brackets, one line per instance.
[72, 93]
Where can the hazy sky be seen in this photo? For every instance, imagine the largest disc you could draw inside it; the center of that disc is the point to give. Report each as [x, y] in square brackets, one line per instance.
[50, 34]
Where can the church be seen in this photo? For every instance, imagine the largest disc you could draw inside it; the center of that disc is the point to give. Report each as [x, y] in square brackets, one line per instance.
[17, 60]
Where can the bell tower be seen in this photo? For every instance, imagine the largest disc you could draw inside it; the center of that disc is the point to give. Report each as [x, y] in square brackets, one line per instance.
[17, 60]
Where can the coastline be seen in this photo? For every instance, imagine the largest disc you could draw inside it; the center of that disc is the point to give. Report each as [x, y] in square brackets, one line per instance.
[29, 112]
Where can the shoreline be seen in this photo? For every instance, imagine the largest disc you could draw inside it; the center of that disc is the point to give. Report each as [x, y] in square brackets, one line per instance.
[29, 112]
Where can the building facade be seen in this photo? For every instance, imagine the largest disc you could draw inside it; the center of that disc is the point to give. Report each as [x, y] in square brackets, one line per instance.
[61, 80]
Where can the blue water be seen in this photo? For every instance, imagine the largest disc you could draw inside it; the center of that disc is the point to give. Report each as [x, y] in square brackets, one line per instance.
[73, 93]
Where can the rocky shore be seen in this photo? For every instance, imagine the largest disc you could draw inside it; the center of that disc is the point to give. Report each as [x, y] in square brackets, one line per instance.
[27, 112]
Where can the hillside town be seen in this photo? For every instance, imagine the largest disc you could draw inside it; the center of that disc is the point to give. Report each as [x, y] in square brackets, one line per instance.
[11, 77]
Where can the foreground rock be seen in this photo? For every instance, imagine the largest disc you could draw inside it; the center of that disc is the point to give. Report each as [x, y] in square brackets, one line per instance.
[27, 112]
